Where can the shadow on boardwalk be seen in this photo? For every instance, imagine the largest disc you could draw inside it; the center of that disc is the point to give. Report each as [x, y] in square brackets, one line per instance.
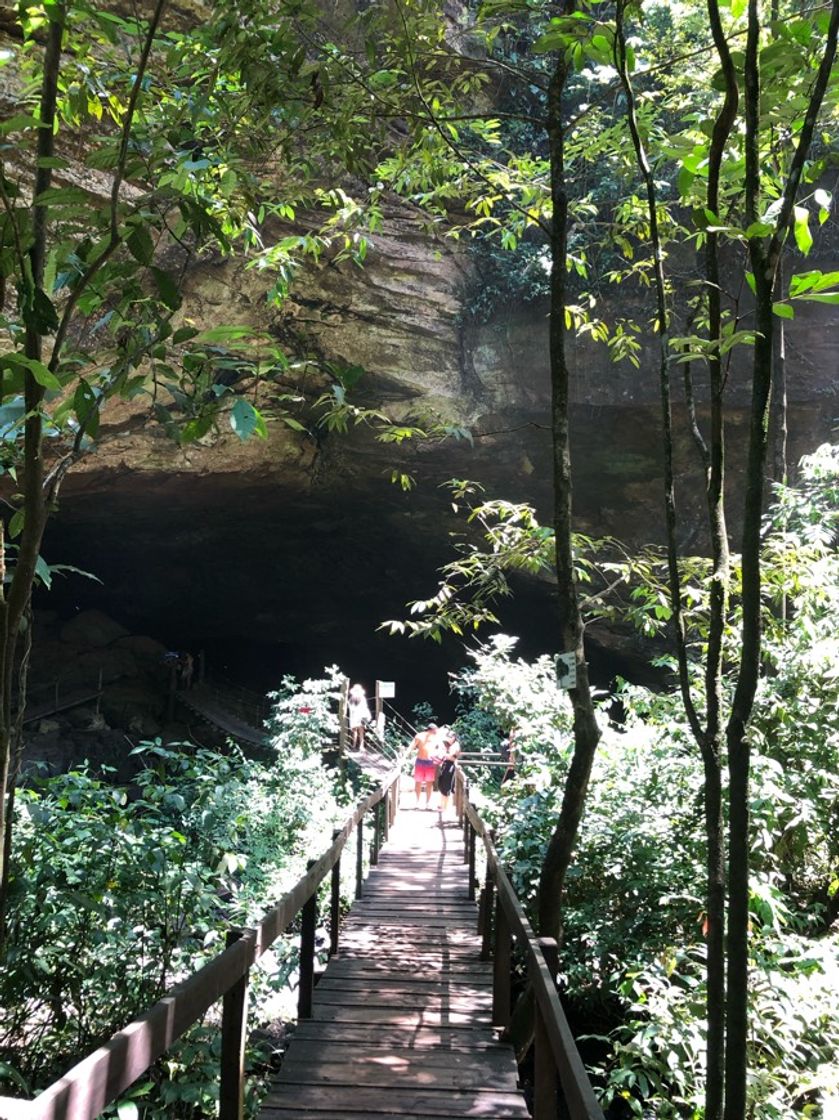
[401, 1022]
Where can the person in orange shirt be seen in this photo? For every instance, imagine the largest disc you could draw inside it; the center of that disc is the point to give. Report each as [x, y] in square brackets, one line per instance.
[426, 746]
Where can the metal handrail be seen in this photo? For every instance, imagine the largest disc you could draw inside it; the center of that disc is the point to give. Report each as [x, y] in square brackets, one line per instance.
[395, 716]
[501, 919]
[91, 1085]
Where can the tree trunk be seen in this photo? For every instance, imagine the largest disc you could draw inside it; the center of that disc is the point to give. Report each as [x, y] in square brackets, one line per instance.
[15, 606]
[586, 732]
[765, 261]
[718, 605]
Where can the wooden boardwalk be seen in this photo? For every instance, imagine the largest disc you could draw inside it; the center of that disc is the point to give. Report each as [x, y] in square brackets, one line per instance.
[401, 1022]
[202, 701]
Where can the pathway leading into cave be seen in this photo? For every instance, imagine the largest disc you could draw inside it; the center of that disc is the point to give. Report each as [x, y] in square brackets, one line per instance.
[401, 1024]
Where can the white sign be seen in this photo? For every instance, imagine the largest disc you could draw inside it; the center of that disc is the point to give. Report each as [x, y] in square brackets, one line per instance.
[566, 670]
[386, 690]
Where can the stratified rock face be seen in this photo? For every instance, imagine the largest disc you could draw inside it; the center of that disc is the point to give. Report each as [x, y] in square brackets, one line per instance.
[300, 543]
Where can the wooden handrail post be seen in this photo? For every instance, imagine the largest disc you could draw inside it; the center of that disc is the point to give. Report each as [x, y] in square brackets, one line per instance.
[471, 864]
[234, 1031]
[486, 932]
[377, 825]
[501, 968]
[545, 1089]
[393, 802]
[359, 858]
[342, 727]
[545, 1096]
[467, 827]
[307, 953]
[387, 814]
[335, 901]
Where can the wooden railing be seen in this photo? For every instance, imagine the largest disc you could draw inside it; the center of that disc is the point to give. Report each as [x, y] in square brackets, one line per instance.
[83, 1092]
[559, 1073]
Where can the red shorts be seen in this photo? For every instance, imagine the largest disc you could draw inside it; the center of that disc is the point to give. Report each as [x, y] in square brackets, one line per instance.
[424, 770]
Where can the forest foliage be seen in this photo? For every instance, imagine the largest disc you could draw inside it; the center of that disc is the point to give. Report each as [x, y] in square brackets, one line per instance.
[633, 963]
[120, 890]
[603, 144]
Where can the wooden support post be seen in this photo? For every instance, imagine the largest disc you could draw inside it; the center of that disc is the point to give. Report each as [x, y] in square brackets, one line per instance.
[374, 847]
[501, 968]
[545, 1097]
[388, 814]
[234, 1031]
[467, 827]
[342, 727]
[482, 901]
[359, 858]
[99, 693]
[335, 901]
[378, 716]
[486, 932]
[307, 953]
[545, 1087]
[471, 846]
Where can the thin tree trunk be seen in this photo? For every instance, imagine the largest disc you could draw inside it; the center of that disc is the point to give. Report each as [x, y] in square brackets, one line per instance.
[765, 261]
[586, 732]
[15, 606]
[718, 605]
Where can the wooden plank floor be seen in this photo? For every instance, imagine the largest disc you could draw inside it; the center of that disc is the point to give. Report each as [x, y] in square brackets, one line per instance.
[401, 1018]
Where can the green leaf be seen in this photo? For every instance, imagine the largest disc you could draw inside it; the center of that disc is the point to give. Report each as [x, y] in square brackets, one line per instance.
[246, 421]
[16, 522]
[56, 162]
[821, 297]
[814, 281]
[783, 311]
[44, 315]
[86, 408]
[18, 123]
[225, 333]
[801, 230]
[57, 196]
[184, 334]
[684, 180]
[140, 244]
[197, 428]
[43, 572]
[167, 288]
[823, 198]
[38, 370]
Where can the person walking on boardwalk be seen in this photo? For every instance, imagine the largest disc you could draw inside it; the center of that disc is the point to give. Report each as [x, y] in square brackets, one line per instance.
[446, 773]
[425, 744]
[358, 712]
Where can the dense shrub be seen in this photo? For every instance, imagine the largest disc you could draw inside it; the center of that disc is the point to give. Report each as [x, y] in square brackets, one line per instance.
[633, 959]
[116, 893]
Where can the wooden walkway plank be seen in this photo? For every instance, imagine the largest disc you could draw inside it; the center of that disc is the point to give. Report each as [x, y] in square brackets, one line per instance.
[401, 1025]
